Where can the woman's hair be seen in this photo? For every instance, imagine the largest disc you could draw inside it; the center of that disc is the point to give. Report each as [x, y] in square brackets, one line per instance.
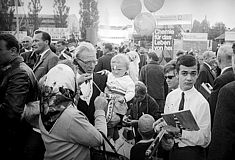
[170, 66]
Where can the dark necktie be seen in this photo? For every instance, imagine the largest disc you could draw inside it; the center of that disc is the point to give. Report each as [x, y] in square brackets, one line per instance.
[181, 106]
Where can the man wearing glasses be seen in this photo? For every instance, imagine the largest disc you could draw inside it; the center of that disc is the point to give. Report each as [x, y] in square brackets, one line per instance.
[170, 75]
[93, 83]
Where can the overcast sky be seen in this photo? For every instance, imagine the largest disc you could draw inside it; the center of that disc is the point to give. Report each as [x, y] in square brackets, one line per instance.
[110, 12]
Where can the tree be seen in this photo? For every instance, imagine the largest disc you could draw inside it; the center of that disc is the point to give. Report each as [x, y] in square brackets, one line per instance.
[205, 26]
[61, 12]
[34, 8]
[177, 32]
[6, 15]
[196, 26]
[216, 30]
[89, 16]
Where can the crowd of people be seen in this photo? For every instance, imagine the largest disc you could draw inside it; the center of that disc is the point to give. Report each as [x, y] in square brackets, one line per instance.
[56, 99]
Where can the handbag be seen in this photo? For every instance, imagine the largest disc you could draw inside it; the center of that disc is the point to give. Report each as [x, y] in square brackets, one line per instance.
[99, 154]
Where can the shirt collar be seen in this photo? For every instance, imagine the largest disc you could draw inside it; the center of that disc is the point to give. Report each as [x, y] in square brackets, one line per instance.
[208, 65]
[188, 91]
[225, 68]
[43, 53]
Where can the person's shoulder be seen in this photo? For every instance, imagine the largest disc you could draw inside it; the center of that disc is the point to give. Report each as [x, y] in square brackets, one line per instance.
[174, 92]
[26, 53]
[229, 87]
[200, 98]
[101, 77]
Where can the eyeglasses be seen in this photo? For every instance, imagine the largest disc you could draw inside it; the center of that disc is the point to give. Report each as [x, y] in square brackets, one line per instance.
[88, 62]
[25, 41]
[169, 77]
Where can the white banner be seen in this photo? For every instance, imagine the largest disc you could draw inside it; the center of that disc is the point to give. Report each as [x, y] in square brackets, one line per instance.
[22, 34]
[229, 36]
[195, 36]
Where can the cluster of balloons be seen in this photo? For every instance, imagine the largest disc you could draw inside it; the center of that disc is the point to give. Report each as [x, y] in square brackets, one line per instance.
[144, 23]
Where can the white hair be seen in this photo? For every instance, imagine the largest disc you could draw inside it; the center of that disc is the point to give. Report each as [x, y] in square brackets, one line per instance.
[84, 46]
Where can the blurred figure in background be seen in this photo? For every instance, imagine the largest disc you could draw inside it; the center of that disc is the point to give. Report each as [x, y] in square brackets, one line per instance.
[134, 65]
[26, 44]
[104, 61]
[170, 75]
[62, 51]
[152, 75]
[206, 73]
[224, 58]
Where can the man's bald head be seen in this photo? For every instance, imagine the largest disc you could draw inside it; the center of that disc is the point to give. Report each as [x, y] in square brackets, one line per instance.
[27, 42]
[224, 56]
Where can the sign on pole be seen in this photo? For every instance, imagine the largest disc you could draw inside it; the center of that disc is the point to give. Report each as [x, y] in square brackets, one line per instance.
[163, 39]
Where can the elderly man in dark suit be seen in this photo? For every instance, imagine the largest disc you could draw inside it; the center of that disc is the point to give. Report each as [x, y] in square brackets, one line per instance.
[206, 75]
[46, 58]
[85, 61]
[224, 57]
[222, 145]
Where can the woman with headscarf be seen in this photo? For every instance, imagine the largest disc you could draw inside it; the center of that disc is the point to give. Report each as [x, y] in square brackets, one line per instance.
[66, 131]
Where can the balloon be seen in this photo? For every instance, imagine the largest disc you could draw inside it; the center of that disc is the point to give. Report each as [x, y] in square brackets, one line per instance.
[131, 8]
[144, 24]
[153, 5]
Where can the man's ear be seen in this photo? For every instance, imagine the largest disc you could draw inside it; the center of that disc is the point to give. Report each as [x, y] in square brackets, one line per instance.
[47, 42]
[13, 50]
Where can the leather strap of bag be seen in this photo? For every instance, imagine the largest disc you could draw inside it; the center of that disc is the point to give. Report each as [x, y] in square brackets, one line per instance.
[110, 144]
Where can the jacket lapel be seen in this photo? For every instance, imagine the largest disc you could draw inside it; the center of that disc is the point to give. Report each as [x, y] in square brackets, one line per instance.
[41, 60]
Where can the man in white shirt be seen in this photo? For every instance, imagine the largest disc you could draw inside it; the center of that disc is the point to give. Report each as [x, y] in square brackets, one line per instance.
[189, 145]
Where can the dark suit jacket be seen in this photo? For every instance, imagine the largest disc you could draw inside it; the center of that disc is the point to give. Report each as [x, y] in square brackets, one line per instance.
[222, 145]
[104, 62]
[29, 58]
[153, 77]
[49, 60]
[206, 76]
[89, 111]
[18, 86]
[226, 77]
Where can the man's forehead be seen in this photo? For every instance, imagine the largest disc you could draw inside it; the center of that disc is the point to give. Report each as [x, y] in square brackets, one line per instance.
[188, 69]
[37, 36]
[27, 39]
[86, 55]
[171, 72]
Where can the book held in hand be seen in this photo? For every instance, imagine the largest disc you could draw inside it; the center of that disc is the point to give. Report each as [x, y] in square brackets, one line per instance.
[184, 118]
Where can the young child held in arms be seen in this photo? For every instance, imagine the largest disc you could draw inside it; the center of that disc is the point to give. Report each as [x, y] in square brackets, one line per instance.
[120, 88]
